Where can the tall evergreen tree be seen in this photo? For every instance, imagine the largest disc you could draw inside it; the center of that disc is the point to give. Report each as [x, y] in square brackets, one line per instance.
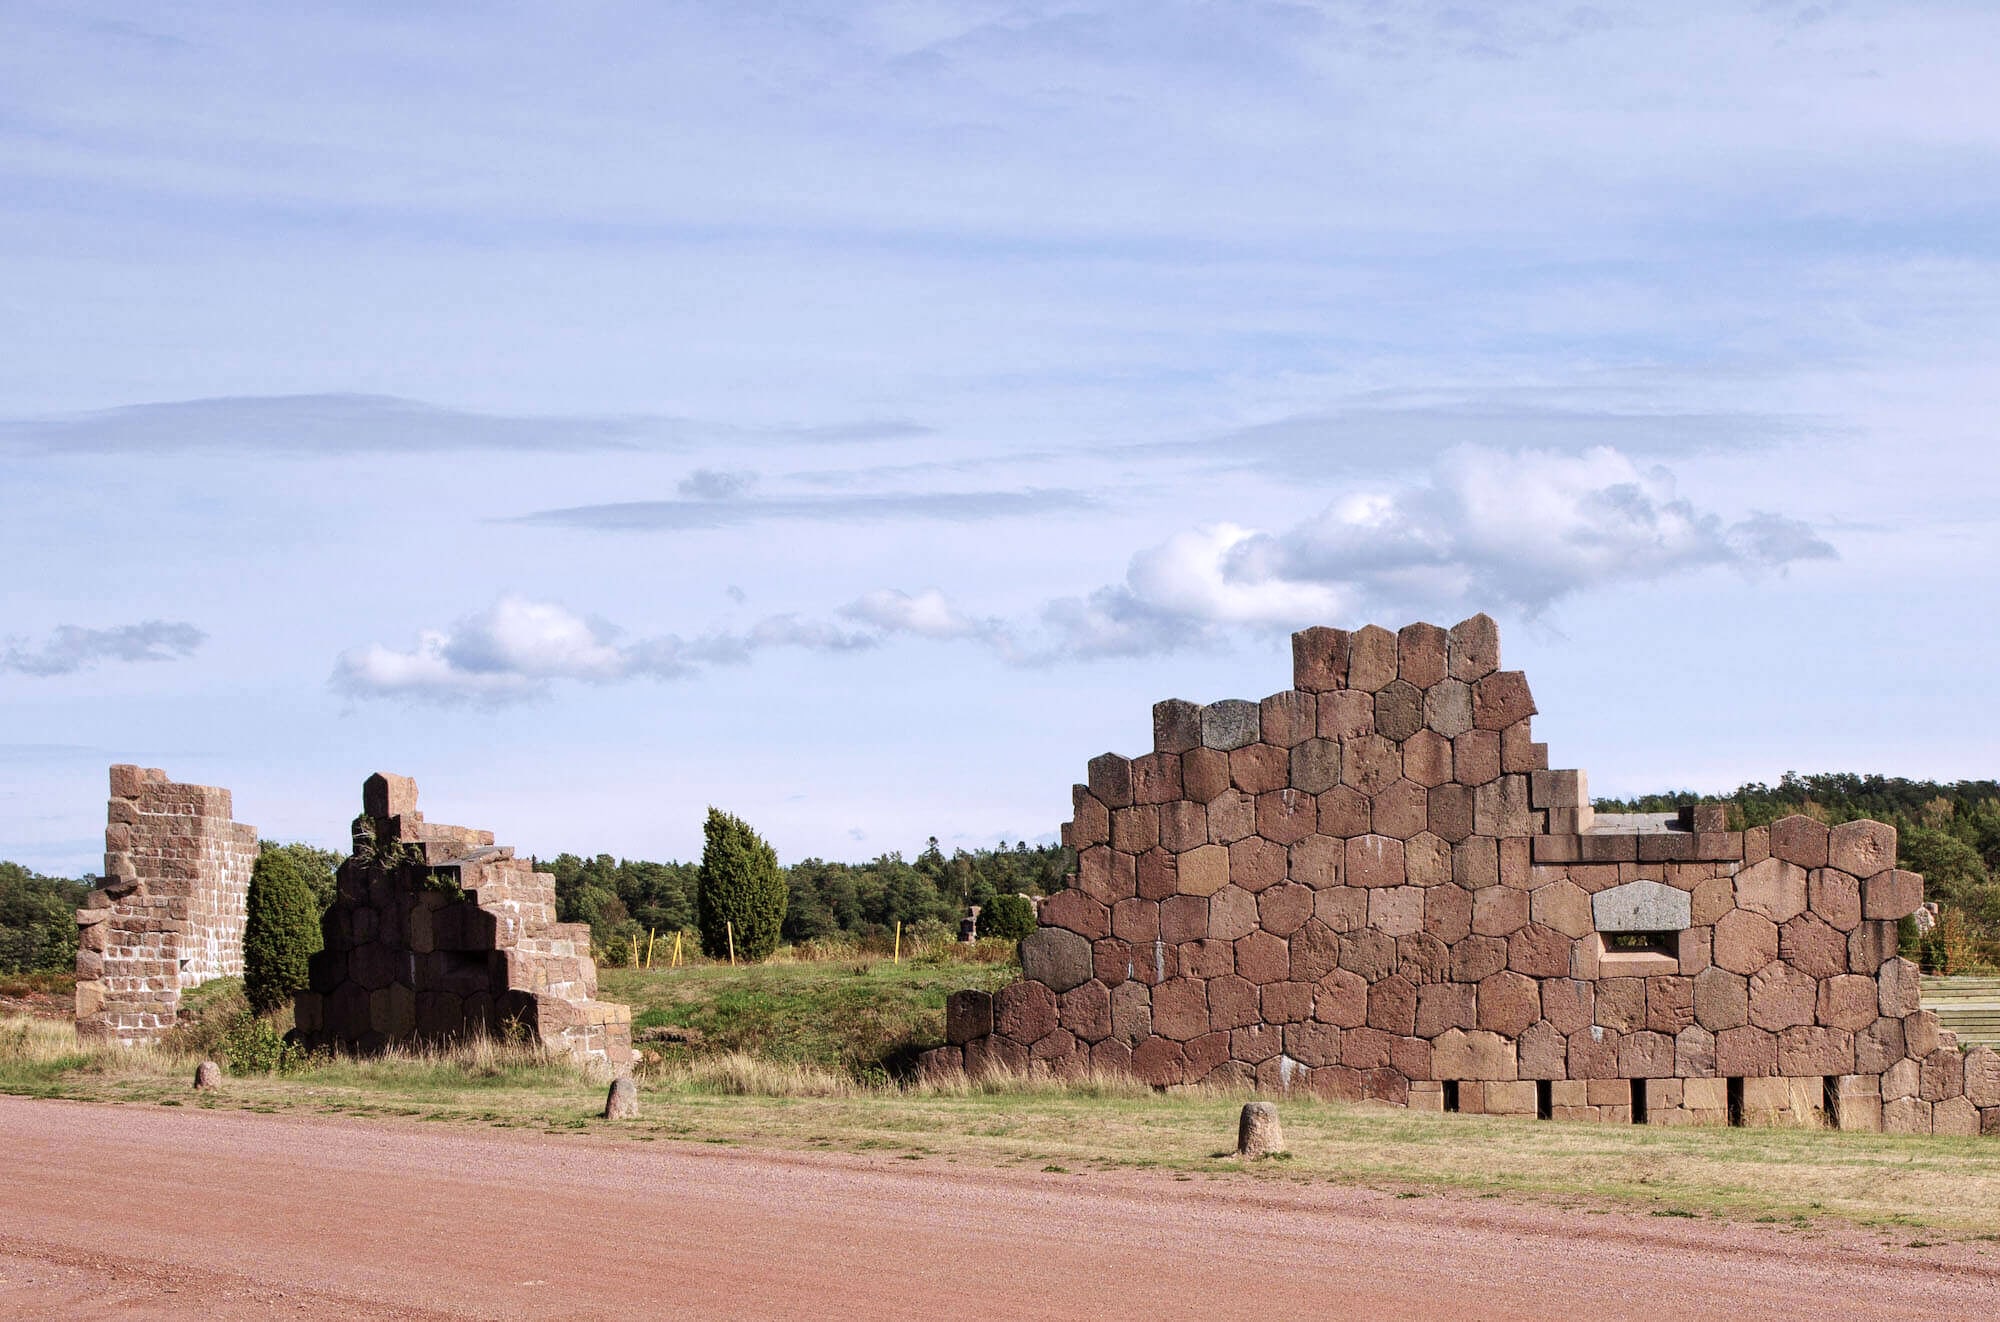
[740, 886]
[282, 929]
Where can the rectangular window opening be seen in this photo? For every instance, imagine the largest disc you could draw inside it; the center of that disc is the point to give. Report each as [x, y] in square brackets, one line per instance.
[1643, 943]
[1451, 1095]
[1545, 1099]
[1736, 1103]
[1638, 1101]
[1830, 1100]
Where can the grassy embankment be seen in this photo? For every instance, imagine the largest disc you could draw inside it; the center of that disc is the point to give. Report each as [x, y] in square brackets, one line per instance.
[789, 1059]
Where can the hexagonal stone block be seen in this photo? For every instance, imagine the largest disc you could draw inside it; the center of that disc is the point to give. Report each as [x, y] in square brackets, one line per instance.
[1812, 945]
[1427, 758]
[1319, 659]
[1835, 896]
[1447, 913]
[1371, 662]
[1508, 1003]
[1782, 997]
[1057, 957]
[1641, 906]
[1427, 859]
[1203, 871]
[1422, 654]
[1893, 894]
[1448, 708]
[1396, 910]
[1473, 1055]
[1256, 863]
[1160, 1062]
[1315, 766]
[1263, 958]
[1399, 710]
[1774, 888]
[1800, 840]
[1863, 848]
[1369, 764]
[1288, 719]
[1847, 1001]
[1898, 989]
[1260, 767]
[1747, 1052]
[1176, 726]
[1475, 757]
[1721, 999]
[1232, 913]
[1369, 953]
[1569, 1004]
[1540, 952]
[1401, 810]
[1500, 700]
[1346, 714]
[1564, 906]
[1499, 910]
[1074, 911]
[1180, 1009]
[1204, 774]
[1232, 1003]
[1156, 778]
[1344, 812]
[1318, 861]
[1286, 816]
[1183, 918]
[1085, 1011]
[1111, 779]
[1283, 909]
[1375, 860]
[1025, 1012]
[1448, 812]
[1230, 724]
[1621, 1004]
[1475, 957]
[1472, 648]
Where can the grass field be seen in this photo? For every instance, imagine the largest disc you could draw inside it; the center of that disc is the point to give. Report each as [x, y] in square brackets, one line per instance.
[777, 1069]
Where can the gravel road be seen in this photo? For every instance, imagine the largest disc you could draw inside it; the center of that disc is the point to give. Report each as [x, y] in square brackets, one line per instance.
[150, 1212]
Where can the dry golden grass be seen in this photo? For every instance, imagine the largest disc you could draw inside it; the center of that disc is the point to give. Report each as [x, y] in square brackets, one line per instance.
[1791, 1176]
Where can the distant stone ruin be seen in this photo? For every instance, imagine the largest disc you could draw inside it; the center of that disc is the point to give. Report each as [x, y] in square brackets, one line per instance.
[1372, 886]
[437, 935]
[169, 913]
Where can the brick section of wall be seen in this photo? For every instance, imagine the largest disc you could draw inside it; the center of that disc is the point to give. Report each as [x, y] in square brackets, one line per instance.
[169, 913]
[1372, 886]
[437, 934]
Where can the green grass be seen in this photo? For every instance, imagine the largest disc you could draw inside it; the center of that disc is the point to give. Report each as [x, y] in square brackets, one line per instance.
[859, 1017]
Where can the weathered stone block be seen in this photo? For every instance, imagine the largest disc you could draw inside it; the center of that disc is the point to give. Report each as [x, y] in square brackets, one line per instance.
[1399, 710]
[1374, 860]
[1641, 906]
[1836, 897]
[1288, 719]
[1892, 894]
[1176, 726]
[1501, 699]
[1863, 848]
[1473, 648]
[1319, 659]
[1745, 941]
[1775, 888]
[1230, 724]
[1476, 1055]
[1057, 957]
[1371, 662]
[1899, 988]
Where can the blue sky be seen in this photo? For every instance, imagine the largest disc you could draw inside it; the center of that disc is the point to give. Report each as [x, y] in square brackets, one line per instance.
[855, 416]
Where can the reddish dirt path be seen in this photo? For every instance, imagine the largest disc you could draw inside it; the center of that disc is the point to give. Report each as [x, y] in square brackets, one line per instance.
[140, 1212]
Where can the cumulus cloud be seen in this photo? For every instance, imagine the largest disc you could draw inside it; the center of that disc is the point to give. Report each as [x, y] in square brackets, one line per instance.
[70, 649]
[1483, 529]
[516, 648]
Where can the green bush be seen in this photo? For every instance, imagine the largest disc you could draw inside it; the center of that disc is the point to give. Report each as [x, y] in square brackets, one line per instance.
[253, 1045]
[281, 931]
[1008, 917]
[739, 887]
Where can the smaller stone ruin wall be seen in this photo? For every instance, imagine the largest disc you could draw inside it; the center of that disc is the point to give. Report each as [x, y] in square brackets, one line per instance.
[1372, 886]
[169, 913]
[438, 935]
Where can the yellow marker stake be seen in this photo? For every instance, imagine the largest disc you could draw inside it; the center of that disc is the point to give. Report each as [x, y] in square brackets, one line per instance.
[730, 928]
[650, 938]
[677, 949]
[898, 956]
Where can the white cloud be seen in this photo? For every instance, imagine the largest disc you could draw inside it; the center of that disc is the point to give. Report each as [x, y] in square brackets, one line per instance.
[1483, 529]
[927, 614]
[70, 648]
[514, 649]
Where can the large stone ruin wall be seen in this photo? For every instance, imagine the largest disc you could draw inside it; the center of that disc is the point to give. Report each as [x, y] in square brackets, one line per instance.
[1373, 886]
[169, 913]
[437, 935]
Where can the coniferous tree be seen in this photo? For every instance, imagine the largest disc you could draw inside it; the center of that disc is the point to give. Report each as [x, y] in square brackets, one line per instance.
[740, 886]
[281, 930]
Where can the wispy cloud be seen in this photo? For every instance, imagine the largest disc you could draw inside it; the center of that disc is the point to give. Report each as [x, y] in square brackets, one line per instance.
[332, 424]
[518, 647]
[70, 648]
[689, 515]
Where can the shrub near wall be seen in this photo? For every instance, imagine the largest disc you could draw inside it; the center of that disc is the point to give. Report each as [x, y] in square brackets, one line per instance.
[281, 931]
